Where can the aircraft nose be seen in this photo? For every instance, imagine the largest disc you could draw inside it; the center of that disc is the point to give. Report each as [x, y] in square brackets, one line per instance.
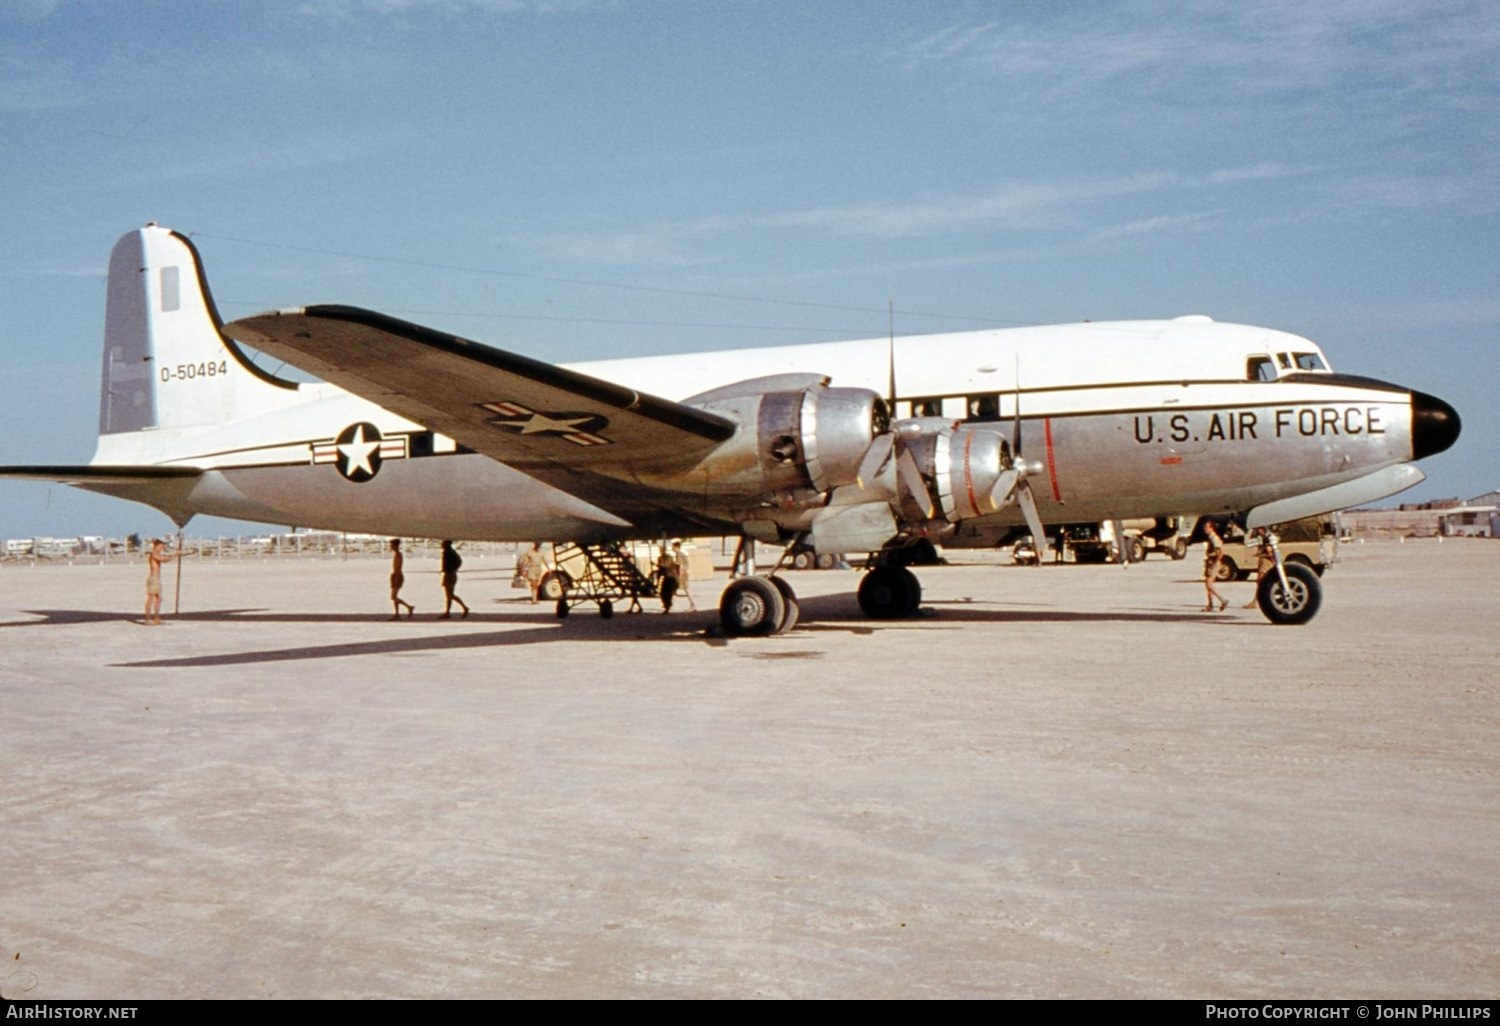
[1434, 425]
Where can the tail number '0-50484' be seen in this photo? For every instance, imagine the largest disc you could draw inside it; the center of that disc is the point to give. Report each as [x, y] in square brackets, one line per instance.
[193, 371]
[1238, 425]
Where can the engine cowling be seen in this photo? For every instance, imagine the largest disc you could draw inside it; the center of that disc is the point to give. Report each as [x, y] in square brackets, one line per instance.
[794, 446]
[938, 469]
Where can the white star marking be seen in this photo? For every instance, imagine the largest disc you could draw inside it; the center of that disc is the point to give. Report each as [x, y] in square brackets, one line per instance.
[540, 422]
[357, 452]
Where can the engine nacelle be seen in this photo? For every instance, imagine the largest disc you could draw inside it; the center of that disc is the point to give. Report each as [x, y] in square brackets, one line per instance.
[794, 445]
[944, 472]
[922, 479]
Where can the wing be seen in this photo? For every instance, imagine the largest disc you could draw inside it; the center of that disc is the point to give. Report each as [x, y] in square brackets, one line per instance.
[515, 409]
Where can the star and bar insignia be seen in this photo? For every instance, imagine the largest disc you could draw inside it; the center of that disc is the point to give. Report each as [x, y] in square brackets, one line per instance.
[359, 450]
[578, 427]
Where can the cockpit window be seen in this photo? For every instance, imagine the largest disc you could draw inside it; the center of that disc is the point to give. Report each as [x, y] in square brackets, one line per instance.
[1260, 368]
[1285, 359]
[1310, 361]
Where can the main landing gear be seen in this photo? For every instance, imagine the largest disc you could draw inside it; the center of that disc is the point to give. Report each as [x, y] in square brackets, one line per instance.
[890, 593]
[757, 606]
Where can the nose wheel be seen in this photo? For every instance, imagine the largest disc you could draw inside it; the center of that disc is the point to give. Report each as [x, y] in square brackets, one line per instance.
[1297, 602]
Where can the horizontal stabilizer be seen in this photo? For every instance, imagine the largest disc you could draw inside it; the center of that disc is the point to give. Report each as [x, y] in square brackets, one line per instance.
[510, 407]
[118, 475]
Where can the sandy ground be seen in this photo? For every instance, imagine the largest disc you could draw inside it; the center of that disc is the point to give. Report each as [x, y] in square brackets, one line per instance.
[1059, 781]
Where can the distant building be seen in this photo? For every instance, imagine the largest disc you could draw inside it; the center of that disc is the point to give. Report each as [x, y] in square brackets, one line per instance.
[1479, 517]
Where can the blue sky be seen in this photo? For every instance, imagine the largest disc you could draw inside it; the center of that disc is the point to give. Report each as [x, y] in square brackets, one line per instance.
[587, 179]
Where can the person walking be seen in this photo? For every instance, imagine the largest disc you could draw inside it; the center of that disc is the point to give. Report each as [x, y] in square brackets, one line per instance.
[451, 563]
[1213, 555]
[398, 578]
[532, 567]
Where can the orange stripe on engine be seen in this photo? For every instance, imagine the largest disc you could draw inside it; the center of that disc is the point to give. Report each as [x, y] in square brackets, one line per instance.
[969, 472]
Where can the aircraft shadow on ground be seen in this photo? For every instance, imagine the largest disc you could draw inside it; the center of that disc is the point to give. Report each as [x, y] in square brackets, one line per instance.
[820, 614]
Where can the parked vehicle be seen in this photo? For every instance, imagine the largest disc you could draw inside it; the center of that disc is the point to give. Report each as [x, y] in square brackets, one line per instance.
[1311, 541]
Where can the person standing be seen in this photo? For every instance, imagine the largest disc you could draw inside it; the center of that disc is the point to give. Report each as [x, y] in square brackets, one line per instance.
[1265, 560]
[666, 579]
[153, 582]
[533, 567]
[398, 578]
[451, 562]
[681, 573]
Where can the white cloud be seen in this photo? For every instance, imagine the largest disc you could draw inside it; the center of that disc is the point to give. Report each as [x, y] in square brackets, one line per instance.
[36, 83]
[1216, 51]
[343, 9]
[1043, 204]
[254, 157]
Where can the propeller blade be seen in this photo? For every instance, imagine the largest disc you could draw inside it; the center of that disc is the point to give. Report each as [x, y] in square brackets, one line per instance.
[891, 356]
[1027, 502]
[1005, 485]
[911, 477]
[1015, 427]
[875, 459]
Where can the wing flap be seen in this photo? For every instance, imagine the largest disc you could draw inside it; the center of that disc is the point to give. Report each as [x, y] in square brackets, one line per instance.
[518, 410]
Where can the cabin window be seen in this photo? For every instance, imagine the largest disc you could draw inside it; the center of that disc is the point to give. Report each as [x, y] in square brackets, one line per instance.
[1310, 361]
[984, 407]
[1260, 368]
[926, 407]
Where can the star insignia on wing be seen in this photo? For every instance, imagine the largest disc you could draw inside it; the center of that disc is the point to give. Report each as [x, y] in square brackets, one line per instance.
[579, 428]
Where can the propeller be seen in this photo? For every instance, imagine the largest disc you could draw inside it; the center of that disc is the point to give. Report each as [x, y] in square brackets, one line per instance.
[911, 477]
[875, 460]
[1012, 485]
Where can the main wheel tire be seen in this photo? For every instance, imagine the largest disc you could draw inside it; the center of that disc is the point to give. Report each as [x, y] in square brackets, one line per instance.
[792, 610]
[553, 585]
[1295, 604]
[889, 593]
[751, 607]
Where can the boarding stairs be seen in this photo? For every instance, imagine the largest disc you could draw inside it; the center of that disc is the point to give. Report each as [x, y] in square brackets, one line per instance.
[601, 574]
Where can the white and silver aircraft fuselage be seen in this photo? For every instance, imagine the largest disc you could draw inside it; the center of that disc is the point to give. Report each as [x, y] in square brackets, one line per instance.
[846, 446]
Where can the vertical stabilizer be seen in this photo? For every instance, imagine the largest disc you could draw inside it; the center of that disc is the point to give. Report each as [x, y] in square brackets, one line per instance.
[166, 363]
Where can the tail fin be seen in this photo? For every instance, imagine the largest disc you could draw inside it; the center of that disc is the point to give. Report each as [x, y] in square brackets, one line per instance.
[167, 365]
